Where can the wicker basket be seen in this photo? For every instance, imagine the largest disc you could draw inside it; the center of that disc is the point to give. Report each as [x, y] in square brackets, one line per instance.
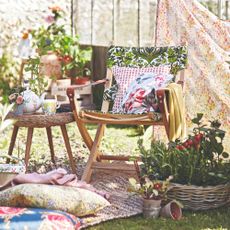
[9, 171]
[200, 198]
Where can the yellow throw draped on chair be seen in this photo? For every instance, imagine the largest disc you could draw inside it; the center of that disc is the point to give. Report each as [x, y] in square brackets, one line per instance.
[177, 120]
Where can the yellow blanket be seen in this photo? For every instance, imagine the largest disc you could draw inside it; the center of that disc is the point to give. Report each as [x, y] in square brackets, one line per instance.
[177, 121]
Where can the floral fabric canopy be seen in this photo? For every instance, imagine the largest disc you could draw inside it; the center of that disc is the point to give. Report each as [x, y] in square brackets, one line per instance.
[207, 79]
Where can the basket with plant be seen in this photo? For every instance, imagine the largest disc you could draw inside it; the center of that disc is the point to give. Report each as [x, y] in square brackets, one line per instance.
[199, 165]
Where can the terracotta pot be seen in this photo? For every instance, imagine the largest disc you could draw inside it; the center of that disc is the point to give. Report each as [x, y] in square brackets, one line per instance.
[171, 210]
[80, 80]
[151, 208]
[50, 65]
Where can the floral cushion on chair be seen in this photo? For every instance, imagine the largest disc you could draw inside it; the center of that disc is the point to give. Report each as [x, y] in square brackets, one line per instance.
[125, 75]
[33, 218]
[140, 96]
[77, 201]
[141, 57]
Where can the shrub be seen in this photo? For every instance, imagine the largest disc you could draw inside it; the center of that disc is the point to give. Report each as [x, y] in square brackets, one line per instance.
[199, 160]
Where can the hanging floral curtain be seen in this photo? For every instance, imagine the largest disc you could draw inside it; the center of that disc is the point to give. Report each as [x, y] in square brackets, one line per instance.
[207, 79]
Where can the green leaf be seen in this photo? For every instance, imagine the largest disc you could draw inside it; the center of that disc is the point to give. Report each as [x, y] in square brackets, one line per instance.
[132, 181]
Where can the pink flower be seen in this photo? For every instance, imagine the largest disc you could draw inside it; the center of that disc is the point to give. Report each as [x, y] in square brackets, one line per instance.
[49, 19]
[19, 100]
[11, 211]
[55, 8]
[61, 221]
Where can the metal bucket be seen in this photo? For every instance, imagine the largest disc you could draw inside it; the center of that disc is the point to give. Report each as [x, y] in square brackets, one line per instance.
[151, 208]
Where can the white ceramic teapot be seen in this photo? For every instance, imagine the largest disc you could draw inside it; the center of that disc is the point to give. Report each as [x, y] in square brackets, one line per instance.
[32, 102]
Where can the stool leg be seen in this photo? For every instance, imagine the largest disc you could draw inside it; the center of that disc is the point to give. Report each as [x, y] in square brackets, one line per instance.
[28, 146]
[12, 142]
[50, 139]
[68, 148]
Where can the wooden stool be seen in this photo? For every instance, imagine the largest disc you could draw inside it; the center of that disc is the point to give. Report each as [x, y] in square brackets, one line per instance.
[40, 120]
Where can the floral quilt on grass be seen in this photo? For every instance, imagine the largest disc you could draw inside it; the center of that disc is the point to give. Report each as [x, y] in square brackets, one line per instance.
[32, 219]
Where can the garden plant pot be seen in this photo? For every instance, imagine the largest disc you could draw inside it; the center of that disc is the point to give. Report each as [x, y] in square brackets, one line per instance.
[171, 210]
[80, 80]
[50, 65]
[151, 208]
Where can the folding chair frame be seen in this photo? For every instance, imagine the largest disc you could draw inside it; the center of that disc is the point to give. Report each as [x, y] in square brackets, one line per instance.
[96, 158]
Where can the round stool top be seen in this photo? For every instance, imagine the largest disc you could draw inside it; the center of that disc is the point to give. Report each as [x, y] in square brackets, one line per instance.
[40, 120]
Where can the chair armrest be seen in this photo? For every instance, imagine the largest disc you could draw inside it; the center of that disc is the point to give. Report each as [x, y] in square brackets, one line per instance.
[160, 93]
[70, 91]
[102, 81]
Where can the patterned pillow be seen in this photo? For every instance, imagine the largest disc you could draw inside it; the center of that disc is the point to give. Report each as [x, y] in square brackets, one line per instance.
[125, 75]
[140, 96]
[36, 218]
[77, 201]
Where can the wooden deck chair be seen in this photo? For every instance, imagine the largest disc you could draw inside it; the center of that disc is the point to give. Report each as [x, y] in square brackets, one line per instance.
[132, 58]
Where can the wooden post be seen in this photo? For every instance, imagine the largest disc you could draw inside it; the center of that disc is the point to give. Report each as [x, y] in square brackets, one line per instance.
[220, 11]
[99, 58]
[227, 9]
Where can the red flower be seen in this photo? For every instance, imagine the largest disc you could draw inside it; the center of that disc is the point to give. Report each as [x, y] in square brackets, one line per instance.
[180, 147]
[186, 144]
[198, 137]
[67, 59]
[157, 186]
[190, 142]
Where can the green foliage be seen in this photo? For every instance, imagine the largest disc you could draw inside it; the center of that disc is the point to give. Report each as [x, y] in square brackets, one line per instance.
[8, 73]
[176, 57]
[149, 189]
[4, 124]
[55, 38]
[199, 160]
[37, 82]
[73, 56]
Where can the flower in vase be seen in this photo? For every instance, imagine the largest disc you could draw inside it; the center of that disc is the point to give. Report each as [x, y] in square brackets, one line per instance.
[19, 100]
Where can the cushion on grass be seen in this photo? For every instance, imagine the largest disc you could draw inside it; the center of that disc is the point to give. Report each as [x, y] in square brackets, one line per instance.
[125, 75]
[77, 201]
[33, 218]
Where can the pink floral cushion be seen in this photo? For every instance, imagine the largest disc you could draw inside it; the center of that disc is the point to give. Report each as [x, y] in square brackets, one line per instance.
[35, 218]
[125, 75]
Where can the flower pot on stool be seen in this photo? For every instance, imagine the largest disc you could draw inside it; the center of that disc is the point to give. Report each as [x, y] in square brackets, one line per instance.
[172, 210]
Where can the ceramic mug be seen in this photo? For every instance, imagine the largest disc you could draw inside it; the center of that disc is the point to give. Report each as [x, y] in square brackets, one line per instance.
[49, 106]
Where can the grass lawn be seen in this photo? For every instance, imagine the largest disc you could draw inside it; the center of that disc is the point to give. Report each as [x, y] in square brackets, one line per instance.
[120, 141]
[206, 220]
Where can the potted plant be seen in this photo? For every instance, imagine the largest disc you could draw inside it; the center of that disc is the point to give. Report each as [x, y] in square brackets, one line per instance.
[60, 53]
[74, 59]
[152, 191]
[199, 165]
[16, 99]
